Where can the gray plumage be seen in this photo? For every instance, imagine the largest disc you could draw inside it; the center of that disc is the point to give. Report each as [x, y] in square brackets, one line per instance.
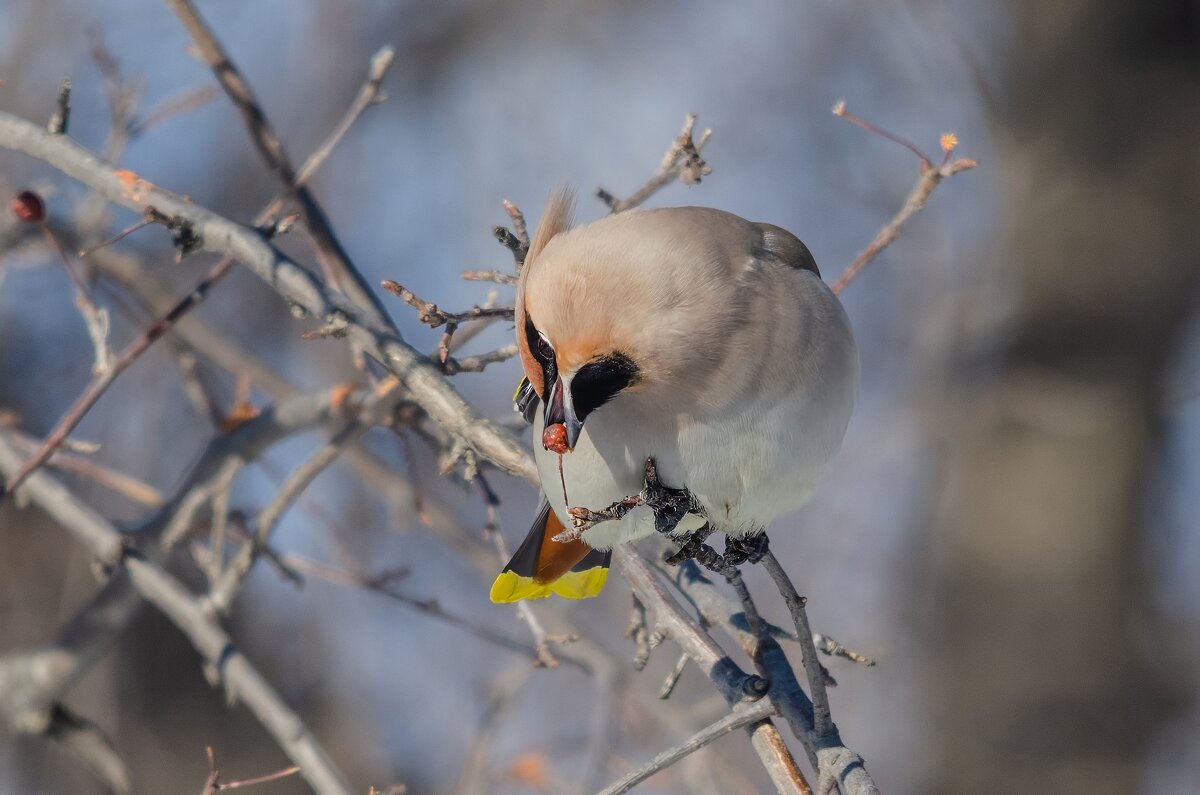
[747, 370]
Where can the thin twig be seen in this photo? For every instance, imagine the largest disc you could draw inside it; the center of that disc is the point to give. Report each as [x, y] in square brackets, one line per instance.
[270, 147]
[476, 364]
[682, 161]
[61, 119]
[743, 715]
[489, 276]
[92, 746]
[225, 588]
[814, 671]
[221, 495]
[431, 315]
[370, 93]
[214, 783]
[171, 107]
[382, 585]
[828, 646]
[119, 482]
[102, 381]
[455, 338]
[122, 99]
[931, 176]
[95, 318]
[505, 237]
[516, 239]
[118, 237]
[673, 677]
[839, 109]
[639, 632]
[519, 228]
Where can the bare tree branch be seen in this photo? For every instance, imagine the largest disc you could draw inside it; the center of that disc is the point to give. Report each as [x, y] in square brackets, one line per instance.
[733, 684]
[107, 372]
[90, 745]
[242, 680]
[489, 276]
[829, 756]
[271, 148]
[425, 383]
[32, 682]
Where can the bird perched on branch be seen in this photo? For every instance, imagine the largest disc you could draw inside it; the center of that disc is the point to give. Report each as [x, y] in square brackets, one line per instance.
[686, 371]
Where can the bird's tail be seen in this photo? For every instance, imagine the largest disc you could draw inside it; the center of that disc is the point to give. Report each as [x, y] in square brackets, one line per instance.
[542, 566]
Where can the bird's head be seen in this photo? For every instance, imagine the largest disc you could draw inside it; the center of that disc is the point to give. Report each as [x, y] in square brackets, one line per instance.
[601, 314]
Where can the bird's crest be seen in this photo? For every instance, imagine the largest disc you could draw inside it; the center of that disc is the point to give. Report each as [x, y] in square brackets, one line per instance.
[555, 218]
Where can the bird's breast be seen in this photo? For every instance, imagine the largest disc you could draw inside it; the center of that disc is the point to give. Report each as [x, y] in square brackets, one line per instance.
[736, 468]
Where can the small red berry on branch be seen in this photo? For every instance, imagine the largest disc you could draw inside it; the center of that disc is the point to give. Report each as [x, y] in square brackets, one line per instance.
[28, 206]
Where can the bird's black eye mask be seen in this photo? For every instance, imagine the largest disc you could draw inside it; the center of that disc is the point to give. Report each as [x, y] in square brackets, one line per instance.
[543, 353]
[600, 380]
[596, 383]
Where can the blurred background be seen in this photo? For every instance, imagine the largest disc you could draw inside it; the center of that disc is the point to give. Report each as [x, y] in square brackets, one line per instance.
[1010, 529]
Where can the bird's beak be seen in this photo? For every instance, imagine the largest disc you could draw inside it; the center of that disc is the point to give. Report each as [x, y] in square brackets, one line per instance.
[560, 409]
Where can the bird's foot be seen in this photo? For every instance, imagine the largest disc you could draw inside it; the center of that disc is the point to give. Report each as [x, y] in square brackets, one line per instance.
[748, 549]
[668, 505]
[694, 548]
[737, 551]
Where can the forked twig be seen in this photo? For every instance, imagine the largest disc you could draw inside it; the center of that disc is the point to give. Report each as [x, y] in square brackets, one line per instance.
[682, 161]
[931, 176]
[214, 784]
[102, 381]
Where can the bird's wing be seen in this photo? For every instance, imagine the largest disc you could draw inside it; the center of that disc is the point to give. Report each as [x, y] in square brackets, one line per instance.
[525, 400]
[542, 566]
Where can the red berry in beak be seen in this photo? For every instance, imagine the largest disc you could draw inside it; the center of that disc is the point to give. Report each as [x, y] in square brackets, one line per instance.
[554, 438]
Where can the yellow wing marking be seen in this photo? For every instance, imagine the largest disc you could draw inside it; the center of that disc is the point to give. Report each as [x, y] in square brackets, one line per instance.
[512, 587]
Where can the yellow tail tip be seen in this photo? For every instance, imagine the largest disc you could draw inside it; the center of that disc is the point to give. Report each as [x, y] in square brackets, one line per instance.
[512, 587]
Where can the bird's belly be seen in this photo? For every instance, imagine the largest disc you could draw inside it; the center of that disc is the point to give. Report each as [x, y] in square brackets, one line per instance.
[740, 476]
[744, 473]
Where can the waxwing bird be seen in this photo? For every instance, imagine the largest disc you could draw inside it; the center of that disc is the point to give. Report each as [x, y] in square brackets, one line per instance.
[688, 336]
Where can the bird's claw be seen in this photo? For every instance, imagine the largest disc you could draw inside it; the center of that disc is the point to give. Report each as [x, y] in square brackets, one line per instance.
[668, 505]
[583, 519]
[737, 551]
[747, 549]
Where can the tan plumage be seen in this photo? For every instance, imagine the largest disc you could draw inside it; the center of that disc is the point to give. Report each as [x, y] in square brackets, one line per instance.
[736, 365]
